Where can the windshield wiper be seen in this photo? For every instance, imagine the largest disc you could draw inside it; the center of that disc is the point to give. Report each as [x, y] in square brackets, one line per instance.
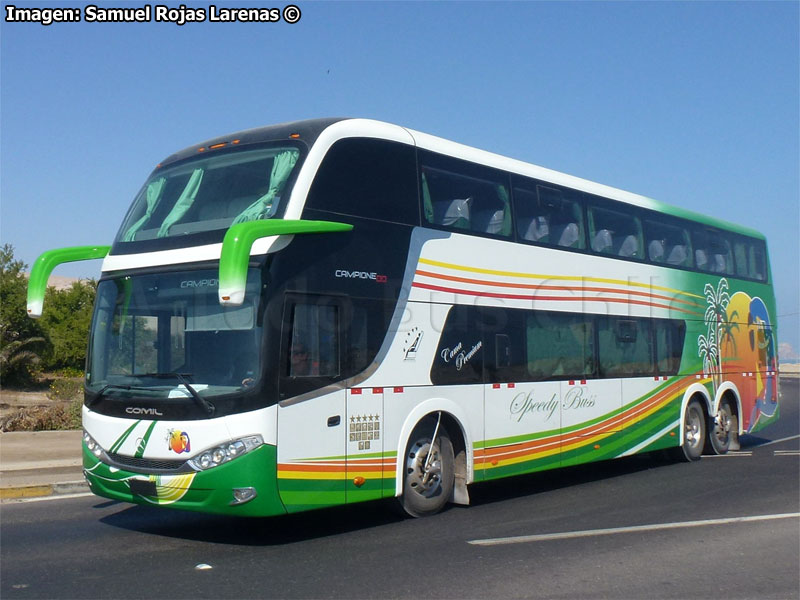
[181, 377]
[111, 386]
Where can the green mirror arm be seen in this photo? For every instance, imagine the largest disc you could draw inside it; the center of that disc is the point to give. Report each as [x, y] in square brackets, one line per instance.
[239, 240]
[44, 265]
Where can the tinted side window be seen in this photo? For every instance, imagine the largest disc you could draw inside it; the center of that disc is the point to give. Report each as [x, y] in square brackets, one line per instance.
[712, 251]
[314, 341]
[460, 195]
[669, 345]
[547, 215]
[615, 233]
[740, 248]
[504, 337]
[368, 178]
[311, 344]
[757, 261]
[751, 258]
[364, 325]
[459, 356]
[559, 345]
[668, 244]
[625, 347]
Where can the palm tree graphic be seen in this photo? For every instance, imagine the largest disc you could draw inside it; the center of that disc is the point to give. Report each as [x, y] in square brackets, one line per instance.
[716, 319]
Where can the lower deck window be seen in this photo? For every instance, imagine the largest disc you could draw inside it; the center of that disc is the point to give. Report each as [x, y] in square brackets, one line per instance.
[314, 346]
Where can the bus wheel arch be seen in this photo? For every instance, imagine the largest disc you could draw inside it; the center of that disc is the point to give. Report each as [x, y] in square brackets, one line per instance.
[428, 468]
[419, 428]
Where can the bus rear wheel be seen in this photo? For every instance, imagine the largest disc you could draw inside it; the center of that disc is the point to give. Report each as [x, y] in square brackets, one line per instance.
[722, 430]
[694, 433]
[429, 470]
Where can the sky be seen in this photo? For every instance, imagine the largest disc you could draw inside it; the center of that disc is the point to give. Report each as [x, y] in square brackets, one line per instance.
[691, 103]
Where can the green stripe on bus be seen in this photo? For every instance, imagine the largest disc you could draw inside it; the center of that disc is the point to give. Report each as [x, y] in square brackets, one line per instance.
[116, 446]
[145, 439]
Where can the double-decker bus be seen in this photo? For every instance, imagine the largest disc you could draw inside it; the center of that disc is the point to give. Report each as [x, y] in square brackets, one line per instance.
[339, 310]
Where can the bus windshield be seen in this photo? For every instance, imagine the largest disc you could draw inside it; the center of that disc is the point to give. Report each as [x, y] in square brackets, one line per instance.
[153, 334]
[210, 193]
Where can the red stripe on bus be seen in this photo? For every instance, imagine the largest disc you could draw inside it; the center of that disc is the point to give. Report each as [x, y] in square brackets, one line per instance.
[438, 288]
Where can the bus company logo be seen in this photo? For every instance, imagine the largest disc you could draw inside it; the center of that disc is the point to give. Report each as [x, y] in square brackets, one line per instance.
[178, 441]
[345, 274]
[411, 344]
[147, 412]
[199, 283]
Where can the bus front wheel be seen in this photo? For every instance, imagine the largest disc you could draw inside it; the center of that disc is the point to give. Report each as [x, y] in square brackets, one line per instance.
[429, 469]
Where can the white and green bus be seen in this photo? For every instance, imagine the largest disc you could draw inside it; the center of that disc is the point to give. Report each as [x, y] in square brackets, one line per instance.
[332, 311]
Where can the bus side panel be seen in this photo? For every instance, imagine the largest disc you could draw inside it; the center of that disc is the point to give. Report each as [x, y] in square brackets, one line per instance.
[311, 453]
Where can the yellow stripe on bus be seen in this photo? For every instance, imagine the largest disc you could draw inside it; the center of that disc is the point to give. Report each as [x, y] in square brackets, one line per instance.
[445, 265]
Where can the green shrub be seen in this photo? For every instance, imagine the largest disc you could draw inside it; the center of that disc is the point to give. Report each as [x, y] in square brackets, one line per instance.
[50, 418]
[65, 390]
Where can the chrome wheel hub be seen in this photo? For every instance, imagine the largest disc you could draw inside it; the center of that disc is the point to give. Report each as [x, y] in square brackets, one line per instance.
[693, 435]
[424, 474]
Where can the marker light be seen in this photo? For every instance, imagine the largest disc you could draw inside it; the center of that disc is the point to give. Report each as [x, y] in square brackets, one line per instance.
[215, 146]
[294, 136]
[223, 453]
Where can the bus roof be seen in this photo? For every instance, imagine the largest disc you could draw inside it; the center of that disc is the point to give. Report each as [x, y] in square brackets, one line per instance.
[311, 129]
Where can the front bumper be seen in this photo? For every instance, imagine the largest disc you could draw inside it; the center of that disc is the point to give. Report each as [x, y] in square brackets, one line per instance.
[208, 491]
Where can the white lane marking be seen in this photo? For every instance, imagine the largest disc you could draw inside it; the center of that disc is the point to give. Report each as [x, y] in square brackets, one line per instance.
[728, 454]
[786, 439]
[47, 498]
[521, 539]
[786, 452]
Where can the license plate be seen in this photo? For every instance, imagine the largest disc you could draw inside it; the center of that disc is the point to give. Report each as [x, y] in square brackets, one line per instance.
[143, 487]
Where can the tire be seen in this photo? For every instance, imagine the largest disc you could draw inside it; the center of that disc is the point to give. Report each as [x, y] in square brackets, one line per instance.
[694, 433]
[425, 492]
[722, 430]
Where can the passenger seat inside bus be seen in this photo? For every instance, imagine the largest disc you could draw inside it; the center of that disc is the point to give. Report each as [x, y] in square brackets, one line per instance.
[629, 247]
[569, 236]
[655, 251]
[452, 213]
[678, 255]
[489, 221]
[534, 229]
[603, 241]
[701, 259]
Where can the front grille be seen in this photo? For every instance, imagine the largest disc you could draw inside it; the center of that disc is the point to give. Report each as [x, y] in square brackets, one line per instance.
[147, 465]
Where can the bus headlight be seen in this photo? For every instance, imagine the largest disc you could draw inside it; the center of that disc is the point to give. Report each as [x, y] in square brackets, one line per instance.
[93, 446]
[223, 453]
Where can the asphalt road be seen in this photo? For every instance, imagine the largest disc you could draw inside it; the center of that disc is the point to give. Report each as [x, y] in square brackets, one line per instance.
[90, 548]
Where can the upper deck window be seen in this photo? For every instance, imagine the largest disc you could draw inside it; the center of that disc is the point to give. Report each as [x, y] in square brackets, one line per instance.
[211, 193]
[615, 233]
[369, 178]
[460, 195]
[547, 215]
